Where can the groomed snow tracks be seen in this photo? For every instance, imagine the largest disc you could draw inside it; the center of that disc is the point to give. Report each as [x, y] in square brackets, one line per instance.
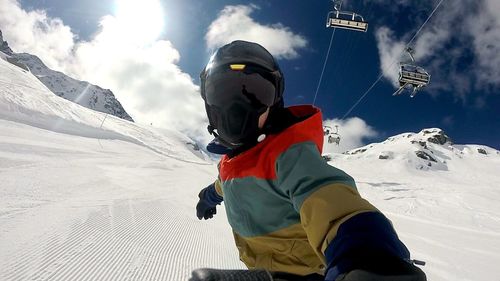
[128, 240]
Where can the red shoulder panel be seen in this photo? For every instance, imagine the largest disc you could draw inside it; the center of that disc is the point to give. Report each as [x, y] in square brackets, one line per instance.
[260, 160]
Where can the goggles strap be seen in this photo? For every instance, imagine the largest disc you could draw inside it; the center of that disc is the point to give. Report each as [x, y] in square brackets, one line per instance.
[211, 130]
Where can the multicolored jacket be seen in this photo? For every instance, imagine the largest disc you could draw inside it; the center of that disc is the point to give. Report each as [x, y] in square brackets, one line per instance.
[286, 204]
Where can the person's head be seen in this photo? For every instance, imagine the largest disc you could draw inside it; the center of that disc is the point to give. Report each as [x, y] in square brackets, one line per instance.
[241, 83]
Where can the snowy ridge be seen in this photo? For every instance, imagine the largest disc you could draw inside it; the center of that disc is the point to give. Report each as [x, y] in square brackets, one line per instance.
[26, 100]
[430, 149]
[80, 92]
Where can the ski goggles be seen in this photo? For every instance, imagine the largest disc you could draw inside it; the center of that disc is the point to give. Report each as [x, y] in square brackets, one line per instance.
[249, 83]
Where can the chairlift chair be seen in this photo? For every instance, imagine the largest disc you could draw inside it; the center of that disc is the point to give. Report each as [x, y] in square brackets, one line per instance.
[333, 137]
[344, 19]
[414, 75]
[411, 76]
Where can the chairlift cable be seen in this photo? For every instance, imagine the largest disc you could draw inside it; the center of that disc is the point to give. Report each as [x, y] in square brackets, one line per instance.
[364, 95]
[382, 73]
[421, 27]
[367, 11]
[344, 54]
[347, 50]
[324, 66]
[352, 39]
[346, 58]
[339, 61]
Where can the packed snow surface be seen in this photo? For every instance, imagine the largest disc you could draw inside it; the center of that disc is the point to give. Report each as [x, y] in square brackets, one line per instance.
[88, 198]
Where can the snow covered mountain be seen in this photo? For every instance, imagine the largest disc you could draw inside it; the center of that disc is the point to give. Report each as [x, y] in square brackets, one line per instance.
[80, 92]
[24, 99]
[430, 149]
[441, 196]
[89, 197]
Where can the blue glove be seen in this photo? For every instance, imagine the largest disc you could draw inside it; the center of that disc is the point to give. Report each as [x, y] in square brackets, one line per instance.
[367, 247]
[209, 199]
[216, 148]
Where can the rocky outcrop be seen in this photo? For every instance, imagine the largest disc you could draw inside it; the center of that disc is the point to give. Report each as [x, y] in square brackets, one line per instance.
[4, 46]
[361, 150]
[424, 155]
[437, 136]
[421, 143]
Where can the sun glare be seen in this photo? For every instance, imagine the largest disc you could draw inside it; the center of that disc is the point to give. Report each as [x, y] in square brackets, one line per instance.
[141, 19]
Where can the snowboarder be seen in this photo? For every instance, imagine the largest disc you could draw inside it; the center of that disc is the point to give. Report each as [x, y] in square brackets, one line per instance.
[290, 211]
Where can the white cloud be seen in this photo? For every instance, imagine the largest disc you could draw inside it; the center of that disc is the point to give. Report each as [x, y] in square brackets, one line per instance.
[145, 77]
[141, 71]
[389, 51]
[456, 33]
[36, 33]
[353, 132]
[235, 23]
[144, 74]
[485, 31]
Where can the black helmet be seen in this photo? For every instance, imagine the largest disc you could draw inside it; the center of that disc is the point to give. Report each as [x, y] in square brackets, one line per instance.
[239, 83]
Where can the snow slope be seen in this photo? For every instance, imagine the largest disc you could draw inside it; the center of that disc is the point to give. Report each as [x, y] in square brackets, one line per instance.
[81, 202]
[26, 100]
[443, 199]
[80, 92]
[83, 199]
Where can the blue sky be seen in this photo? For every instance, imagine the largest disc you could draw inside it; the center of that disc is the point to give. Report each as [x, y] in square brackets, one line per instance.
[459, 47]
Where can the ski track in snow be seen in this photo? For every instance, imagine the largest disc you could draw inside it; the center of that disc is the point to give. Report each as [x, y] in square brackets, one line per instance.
[122, 217]
[129, 240]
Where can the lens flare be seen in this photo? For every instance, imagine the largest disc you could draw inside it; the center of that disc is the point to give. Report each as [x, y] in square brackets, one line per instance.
[142, 20]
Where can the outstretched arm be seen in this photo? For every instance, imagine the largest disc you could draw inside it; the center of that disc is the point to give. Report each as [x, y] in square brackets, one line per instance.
[344, 229]
[210, 197]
